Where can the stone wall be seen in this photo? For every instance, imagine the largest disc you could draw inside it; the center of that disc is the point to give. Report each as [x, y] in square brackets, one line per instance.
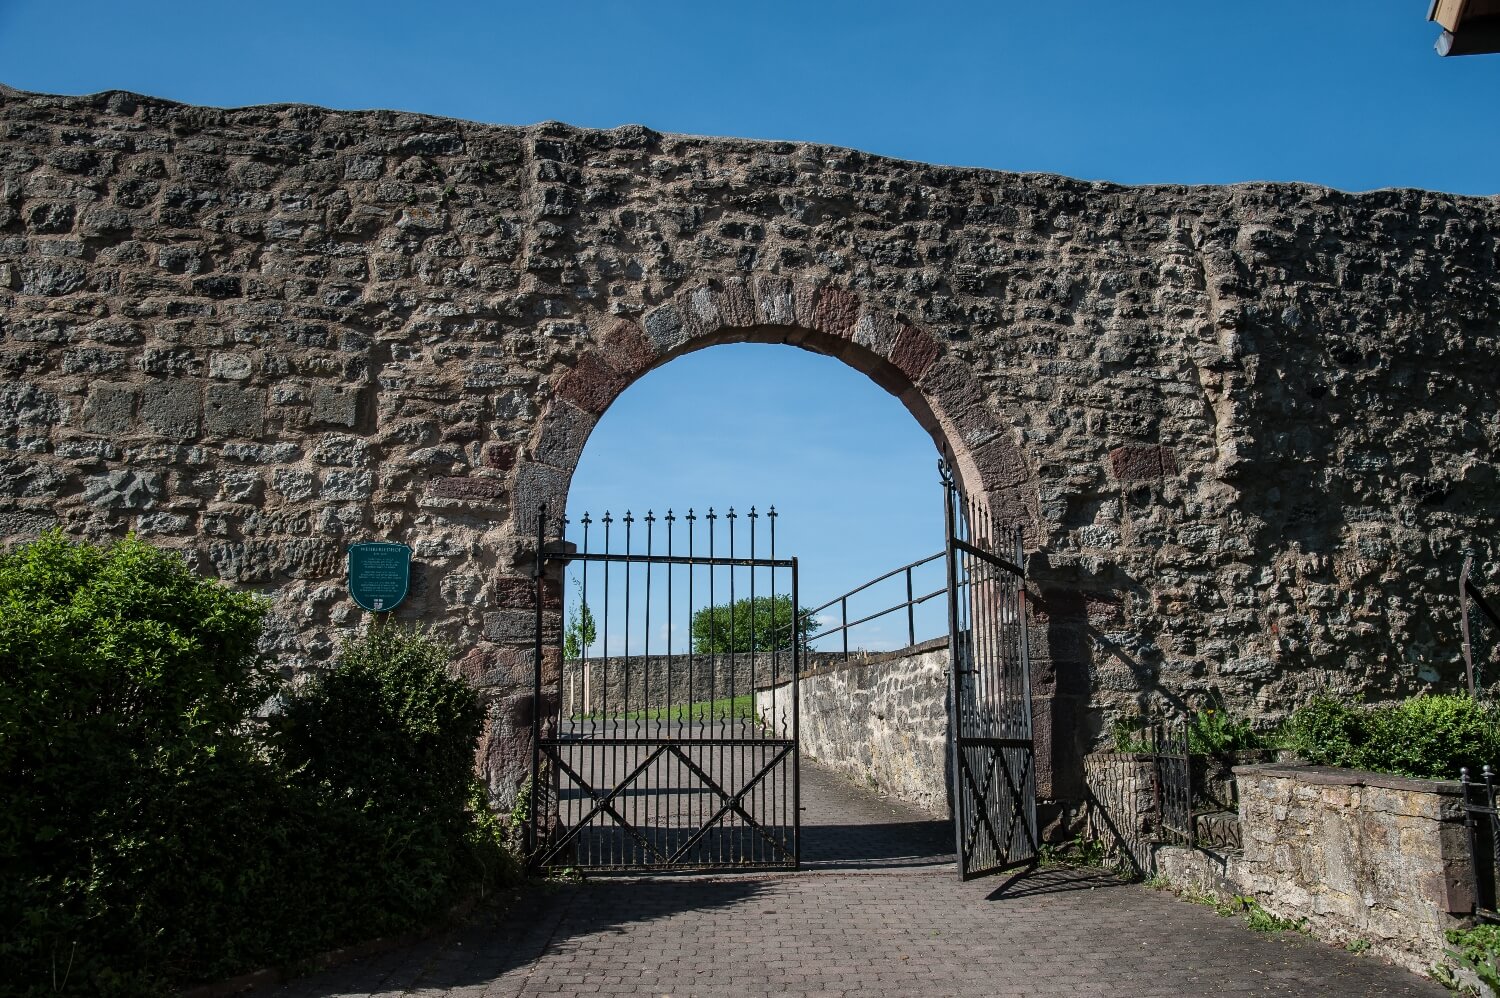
[880, 721]
[1248, 429]
[1358, 856]
[642, 682]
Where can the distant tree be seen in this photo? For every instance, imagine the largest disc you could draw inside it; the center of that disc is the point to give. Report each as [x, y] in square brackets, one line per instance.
[580, 633]
[762, 623]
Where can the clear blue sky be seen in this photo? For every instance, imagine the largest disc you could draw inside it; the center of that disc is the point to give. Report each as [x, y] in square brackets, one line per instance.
[1346, 93]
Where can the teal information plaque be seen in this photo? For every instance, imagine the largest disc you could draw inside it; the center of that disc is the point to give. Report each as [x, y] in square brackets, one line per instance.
[379, 572]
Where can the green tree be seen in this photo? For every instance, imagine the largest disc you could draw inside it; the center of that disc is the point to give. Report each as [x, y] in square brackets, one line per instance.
[761, 623]
[580, 633]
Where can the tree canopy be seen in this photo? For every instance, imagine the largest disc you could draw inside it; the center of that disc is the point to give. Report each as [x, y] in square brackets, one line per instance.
[760, 623]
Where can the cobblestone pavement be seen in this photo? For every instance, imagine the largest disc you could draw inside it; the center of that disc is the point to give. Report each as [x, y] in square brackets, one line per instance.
[878, 912]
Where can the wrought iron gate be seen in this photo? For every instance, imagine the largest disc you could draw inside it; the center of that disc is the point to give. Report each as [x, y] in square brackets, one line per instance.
[666, 739]
[989, 691]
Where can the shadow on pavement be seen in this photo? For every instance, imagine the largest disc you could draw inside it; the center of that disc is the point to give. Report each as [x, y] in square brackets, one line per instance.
[539, 919]
[1037, 881]
[877, 846]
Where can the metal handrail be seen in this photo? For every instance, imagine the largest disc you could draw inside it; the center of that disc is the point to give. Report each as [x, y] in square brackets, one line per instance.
[1468, 591]
[910, 605]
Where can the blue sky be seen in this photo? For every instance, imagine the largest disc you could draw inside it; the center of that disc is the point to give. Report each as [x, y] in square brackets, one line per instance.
[1346, 93]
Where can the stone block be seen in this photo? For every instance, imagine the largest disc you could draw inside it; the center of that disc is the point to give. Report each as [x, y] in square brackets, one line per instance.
[336, 406]
[626, 349]
[172, 409]
[836, 311]
[591, 384]
[110, 409]
[1139, 463]
[230, 366]
[510, 626]
[913, 352]
[665, 329]
[23, 405]
[535, 485]
[342, 450]
[124, 490]
[774, 303]
[565, 429]
[233, 411]
[487, 491]
[957, 399]
[498, 456]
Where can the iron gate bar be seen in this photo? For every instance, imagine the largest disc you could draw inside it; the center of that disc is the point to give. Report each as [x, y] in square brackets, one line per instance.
[1484, 864]
[622, 789]
[989, 691]
[601, 803]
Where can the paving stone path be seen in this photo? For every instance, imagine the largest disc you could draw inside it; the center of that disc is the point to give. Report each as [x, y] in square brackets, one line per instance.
[878, 912]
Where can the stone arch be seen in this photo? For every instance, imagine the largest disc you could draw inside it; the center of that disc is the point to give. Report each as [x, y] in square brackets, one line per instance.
[936, 387]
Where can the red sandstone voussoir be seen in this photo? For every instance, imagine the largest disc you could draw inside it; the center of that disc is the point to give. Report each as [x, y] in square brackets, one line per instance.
[835, 311]
[737, 304]
[591, 384]
[626, 349]
[914, 351]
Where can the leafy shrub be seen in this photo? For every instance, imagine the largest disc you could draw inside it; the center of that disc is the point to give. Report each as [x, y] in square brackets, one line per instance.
[1215, 731]
[125, 682]
[151, 835]
[1430, 736]
[385, 744]
[1212, 731]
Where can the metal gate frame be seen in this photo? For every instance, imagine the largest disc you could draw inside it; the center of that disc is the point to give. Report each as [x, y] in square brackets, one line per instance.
[611, 792]
[993, 768]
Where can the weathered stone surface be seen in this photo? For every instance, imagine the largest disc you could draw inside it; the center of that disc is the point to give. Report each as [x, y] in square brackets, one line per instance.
[231, 411]
[110, 409]
[24, 405]
[1265, 413]
[124, 490]
[171, 409]
[882, 722]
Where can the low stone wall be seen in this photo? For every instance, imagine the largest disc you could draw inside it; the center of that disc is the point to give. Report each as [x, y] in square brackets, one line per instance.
[1359, 856]
[881, 722]
[642, 682]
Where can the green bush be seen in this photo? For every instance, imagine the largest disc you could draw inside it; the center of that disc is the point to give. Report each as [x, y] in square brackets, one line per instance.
[385, 744]
[1430, 736]
[152, 833]
[125, 683]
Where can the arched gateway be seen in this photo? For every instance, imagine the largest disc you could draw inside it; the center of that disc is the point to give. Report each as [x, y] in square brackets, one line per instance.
[1249, 430]
[642, 760]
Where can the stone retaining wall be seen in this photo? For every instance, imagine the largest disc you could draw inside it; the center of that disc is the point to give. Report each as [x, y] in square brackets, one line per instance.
[1359, 856]
[882, 721]
[642, 682]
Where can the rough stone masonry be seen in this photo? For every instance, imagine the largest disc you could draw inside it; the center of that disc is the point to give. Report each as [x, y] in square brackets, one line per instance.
[1248, 430]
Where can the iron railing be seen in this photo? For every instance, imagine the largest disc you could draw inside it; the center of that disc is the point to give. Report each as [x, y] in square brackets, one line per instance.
[1482, 821]
[1469, 594]
[910, 605]
[1163, 793]
[1172, 776]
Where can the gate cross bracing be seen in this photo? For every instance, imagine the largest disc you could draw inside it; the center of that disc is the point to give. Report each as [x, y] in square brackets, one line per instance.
[993, 771]
[687, 758]
[667, 740]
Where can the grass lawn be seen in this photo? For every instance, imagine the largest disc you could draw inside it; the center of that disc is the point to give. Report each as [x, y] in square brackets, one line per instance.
[740, 708]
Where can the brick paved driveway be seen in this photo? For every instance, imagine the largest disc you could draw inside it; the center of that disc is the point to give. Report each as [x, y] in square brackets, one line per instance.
[878, 912]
